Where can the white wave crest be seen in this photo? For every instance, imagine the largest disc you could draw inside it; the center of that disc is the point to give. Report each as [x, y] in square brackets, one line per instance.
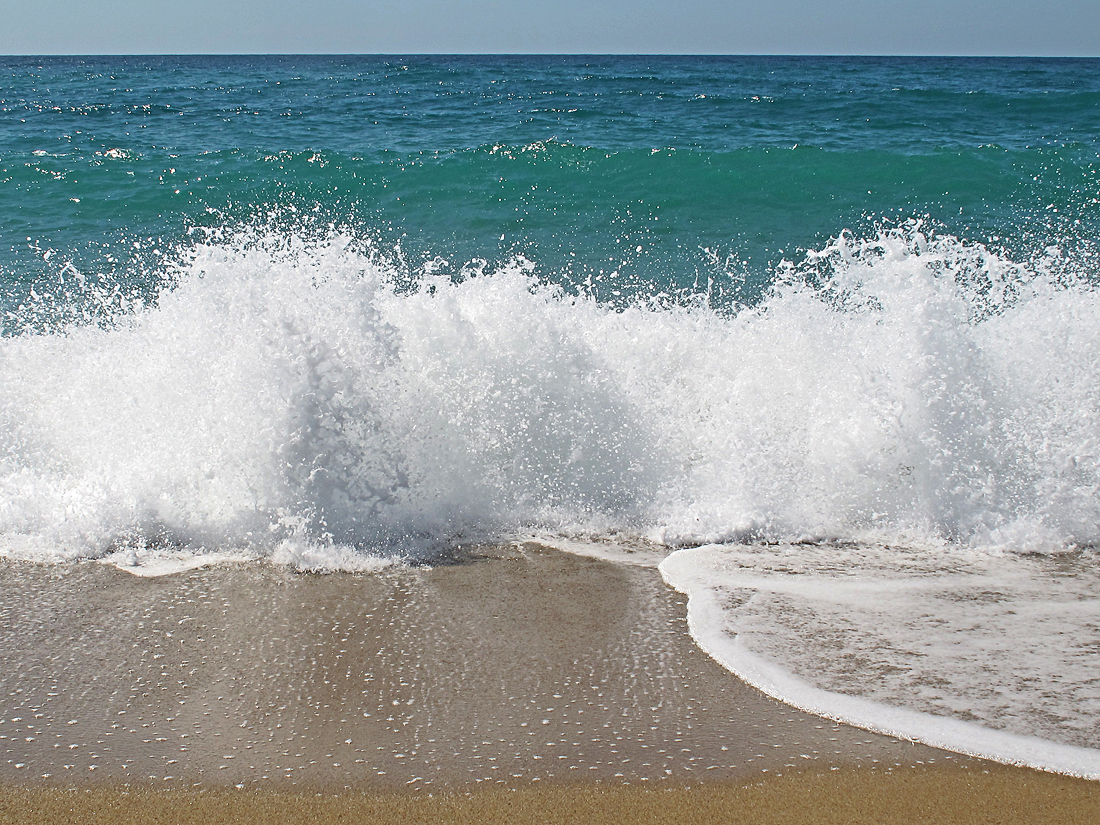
[907, 388]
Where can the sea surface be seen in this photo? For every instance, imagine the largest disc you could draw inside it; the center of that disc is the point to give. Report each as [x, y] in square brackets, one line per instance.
[821, 333]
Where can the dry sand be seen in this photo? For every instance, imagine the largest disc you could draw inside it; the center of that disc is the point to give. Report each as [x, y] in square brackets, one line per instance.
[521, 684]
[929, 796]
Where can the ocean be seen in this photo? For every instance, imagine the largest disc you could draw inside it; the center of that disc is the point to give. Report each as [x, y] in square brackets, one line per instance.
[818, 336]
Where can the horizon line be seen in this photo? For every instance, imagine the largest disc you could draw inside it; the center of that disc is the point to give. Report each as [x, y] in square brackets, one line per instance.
[868, 55]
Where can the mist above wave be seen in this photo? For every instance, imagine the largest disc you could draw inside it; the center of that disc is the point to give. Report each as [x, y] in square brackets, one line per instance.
[313, 399]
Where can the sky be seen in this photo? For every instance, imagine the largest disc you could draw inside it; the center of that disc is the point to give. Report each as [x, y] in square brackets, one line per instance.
[964, 27]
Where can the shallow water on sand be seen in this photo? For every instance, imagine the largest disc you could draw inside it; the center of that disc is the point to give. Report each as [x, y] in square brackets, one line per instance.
[517, 665]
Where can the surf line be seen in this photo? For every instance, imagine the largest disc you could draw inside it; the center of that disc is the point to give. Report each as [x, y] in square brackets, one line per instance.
[684, 571]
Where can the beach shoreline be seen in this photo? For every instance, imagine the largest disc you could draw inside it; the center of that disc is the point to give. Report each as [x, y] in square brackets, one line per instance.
[518, 669]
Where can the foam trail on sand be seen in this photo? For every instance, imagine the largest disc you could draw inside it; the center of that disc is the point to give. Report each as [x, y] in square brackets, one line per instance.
[918, 651]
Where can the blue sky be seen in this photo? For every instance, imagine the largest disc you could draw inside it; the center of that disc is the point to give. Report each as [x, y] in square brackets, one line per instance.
[980, 27]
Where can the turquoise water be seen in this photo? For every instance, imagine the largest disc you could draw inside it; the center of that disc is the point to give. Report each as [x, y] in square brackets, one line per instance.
[823, 331]
[718, 168]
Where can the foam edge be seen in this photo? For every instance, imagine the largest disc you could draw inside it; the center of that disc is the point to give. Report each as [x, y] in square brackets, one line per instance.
[968, 738]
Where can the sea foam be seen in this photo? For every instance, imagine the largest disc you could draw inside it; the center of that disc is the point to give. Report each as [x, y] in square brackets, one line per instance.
[289, 399]
[982, 653]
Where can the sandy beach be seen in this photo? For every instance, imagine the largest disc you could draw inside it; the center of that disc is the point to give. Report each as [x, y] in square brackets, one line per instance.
[512, 682]
[935, 796]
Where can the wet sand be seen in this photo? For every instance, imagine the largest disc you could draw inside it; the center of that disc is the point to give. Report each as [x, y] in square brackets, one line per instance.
[555, 680]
